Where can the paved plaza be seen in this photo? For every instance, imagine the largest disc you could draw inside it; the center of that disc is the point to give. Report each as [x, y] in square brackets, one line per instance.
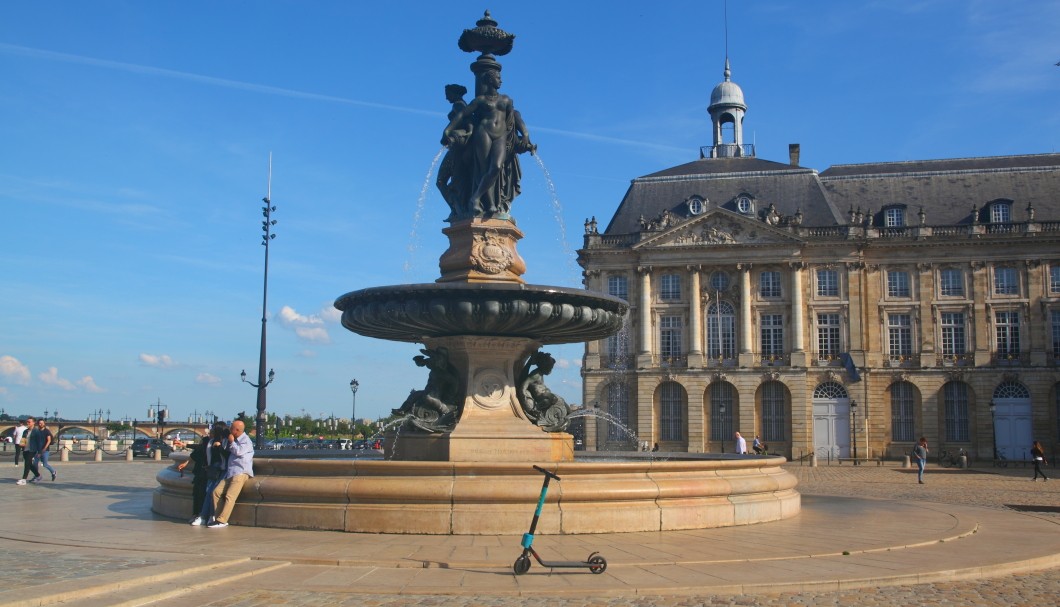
[866, 536]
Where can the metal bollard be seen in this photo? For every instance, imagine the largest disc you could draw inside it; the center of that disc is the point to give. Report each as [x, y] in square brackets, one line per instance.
[813, 460]
[906, 463]
[128, 454]
[158, 455]
[99, 455]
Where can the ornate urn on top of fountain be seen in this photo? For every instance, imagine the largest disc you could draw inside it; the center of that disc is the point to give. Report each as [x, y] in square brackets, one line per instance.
[486, 398]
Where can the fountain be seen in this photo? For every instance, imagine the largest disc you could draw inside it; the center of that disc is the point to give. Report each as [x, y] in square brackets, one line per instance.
[462, 461]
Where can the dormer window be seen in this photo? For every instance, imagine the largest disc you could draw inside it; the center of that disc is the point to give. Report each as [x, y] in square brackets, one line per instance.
[696, 205]
[1001, 211]
[745, 204]
[894, 217]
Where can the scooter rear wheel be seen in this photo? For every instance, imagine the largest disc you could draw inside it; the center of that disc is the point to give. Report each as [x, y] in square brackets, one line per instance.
[522, 565]
[597, 564]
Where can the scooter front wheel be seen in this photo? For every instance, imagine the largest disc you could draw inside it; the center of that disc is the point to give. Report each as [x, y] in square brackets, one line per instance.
[522, 565]
[597, 563]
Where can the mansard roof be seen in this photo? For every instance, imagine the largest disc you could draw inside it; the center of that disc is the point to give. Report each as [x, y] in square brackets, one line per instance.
[948, 188]
[718, 182]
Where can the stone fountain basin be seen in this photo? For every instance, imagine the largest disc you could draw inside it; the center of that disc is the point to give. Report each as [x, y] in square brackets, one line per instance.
[597, 494]
[416, 312]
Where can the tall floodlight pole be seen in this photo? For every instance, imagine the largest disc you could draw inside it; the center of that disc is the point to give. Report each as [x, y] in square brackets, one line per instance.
[354, 384]
[266, 226]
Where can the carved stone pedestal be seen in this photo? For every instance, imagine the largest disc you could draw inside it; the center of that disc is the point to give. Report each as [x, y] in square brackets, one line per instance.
[482, 250]
[492, 426]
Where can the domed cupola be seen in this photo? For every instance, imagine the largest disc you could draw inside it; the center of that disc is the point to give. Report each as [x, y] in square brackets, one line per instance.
[727, 107]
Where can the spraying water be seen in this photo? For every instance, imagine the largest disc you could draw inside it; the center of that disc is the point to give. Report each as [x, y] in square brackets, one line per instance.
[557, 211]
[414, 237]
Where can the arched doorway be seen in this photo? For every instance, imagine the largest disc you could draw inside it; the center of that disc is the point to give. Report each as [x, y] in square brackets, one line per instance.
[1012, 420]
[831, 421]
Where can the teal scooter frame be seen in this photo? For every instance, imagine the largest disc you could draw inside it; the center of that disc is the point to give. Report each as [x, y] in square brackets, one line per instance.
[595, 562]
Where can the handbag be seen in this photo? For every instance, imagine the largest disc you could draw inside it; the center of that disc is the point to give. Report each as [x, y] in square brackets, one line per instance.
[23, 442]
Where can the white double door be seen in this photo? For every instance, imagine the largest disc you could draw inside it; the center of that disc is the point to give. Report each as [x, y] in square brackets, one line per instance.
[831, 427]
[1012, 427]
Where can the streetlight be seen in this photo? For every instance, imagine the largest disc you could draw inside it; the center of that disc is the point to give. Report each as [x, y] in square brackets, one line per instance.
[721, 420]
[993, 426]
[158, 411]
[854, 421]
[266, 238]
[354, 384]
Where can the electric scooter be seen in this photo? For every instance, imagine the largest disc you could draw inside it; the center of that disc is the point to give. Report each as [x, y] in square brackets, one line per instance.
[595, 562]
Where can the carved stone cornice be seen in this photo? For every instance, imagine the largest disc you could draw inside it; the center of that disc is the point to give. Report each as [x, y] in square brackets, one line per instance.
[954, 375]
[1033, 263]
[855, 266]
[872, 268]
[719, 376]
[925, 266]
[898, 377]
[977, 265]
[644, 270]
[797, 265]
[769, 376]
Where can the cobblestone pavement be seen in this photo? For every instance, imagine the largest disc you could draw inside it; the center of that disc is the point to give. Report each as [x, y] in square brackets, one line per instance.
[42, 563]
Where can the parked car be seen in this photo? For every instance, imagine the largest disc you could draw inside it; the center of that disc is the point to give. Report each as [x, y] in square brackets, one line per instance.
[146, 447]
[343, 443]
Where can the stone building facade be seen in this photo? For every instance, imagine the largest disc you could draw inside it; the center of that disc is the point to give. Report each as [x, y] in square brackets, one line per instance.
[844, 313]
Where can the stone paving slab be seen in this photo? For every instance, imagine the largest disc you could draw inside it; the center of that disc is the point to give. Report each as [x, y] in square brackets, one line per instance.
[954, 528]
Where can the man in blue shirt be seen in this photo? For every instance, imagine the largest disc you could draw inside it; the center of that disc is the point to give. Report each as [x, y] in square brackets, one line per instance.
[240, 468]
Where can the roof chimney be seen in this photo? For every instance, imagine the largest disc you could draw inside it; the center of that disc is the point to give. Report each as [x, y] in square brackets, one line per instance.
[793, 154]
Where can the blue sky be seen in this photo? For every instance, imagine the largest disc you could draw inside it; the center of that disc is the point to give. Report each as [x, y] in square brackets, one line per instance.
[136, 138]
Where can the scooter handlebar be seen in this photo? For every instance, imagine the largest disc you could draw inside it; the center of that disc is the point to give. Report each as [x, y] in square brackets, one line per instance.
[546, 472]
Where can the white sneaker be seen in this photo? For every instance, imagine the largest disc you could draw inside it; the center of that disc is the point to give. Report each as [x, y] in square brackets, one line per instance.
[196, 522]
[21, 481]
[218, 525]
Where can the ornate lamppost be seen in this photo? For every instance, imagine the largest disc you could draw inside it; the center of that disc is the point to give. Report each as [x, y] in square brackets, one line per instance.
[854, 424]
[993, 427]
[158, 411]
[266, 226]
[354, 384]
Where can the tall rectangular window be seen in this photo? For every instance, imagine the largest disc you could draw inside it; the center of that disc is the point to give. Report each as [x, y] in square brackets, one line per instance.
[951, 282]
[1006, 281]
[828, 331]
[670, 287]
[902, 414]
[771, 330]
[898, 284]
[1054, 316]
[721, 331]
[1054, 279]
[671, 411]
[827, 283]
[670, 337]
[955, 401]
[774, 422]
[1007, 330]
[953, 343]
[900, 335]
[1000, 212]
[618, 286]
[721, 405]
[769, 284]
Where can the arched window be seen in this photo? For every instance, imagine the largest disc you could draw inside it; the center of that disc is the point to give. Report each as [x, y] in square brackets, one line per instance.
[902, 412]
[1011, 389]
[671, 411]
[721, 331]
[721, 409]
[774, 421]
[830, 389]
[955, 402]
[618, 409]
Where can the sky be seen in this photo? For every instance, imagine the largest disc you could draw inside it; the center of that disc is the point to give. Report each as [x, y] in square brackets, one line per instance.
[136, 139]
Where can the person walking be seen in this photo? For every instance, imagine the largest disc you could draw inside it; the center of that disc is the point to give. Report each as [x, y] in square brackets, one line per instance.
[1038, 456]
[240, 468]
[741, 444]
[48, 438]
[29, 454]
[16, 437]
[920, 453]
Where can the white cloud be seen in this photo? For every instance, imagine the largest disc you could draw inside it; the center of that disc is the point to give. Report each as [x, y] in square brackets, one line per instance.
[307, 328]
[51, 378]
[89, 385]
[208, 378]
[162, 361]
[308, 354]
[12, 368]
[331, 314]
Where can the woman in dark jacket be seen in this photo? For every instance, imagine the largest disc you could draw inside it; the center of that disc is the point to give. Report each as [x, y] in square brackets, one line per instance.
[198, 471]
[215, 462]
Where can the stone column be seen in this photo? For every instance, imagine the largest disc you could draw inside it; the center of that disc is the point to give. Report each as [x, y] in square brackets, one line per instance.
[644, 348]
[746, 358]
[695, 320]
[798, 350]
